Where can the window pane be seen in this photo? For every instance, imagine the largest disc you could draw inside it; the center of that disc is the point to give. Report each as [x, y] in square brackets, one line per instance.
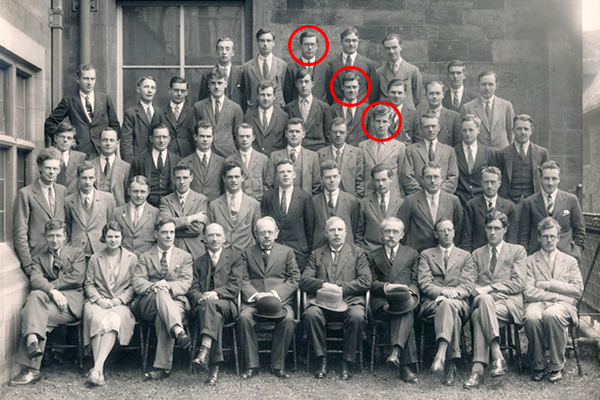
[3, 167]
[193, 76]
[162, 76]
[150, 35]
[21, 99]
[21, 169]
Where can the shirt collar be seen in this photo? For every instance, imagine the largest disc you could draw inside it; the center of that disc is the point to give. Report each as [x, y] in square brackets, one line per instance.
[309, 99]
[430, 196]
[111, 158]
[135, 208]
[246, 153]
[201, 154]
[146, 106]
[180, 105]
[312, 60]
[335, 193]
[493, 199]
[396, 64]
[214, 99]
[83, 95]
[155, 153]
[90, 194]
[473, 147]
[386, 197]
[334, 149]
[443, 249]
[237, 196]
[297, 148]
[552, 195]
[183, 195]
[338, 250]
[434, 141]
[269, 58]
[491, 100]
[549, 256]
[352, 57]
[498, 248]
[525, 146]
[43, 185]
[388, 249]
[459, 91]
[215, 254]
[160, 251]
[288, 191]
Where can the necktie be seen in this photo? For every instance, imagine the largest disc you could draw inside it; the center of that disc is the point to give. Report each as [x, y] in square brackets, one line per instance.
[57, 263]
[490, 207]
[164, 266]
[338, 157]
[470, 161]
[330, 202]
[245, 159]
[335, 256]
[87, 202]
[304, 109]
[51, 198]
[349, 117]
[431, 153]
[522, 152]
[488, 111]
[88, 107]
[382, 206]
[149, 114]
[136, 218]
[455, 102]
[433, 209]
[217, 110]
[446, 257]
[394, 68]
[265, 123]
[392, 255]
[159, 163]
[204, 161]
[550, 207]
[265, 256]
[348, 61]
[283, 204]
[493, 260]
[265, 70]
[106, 166]
[233, 208]
[182, 201]
[176, 112]
[293, 155]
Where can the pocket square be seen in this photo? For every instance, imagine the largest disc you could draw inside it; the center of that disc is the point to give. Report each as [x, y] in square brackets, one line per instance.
[566, 212]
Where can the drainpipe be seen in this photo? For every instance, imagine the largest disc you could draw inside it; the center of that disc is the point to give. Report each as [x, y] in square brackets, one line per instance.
[56, 28]
[85, 52]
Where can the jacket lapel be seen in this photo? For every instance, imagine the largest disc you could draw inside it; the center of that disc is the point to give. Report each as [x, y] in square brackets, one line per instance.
[273, 257]
[560, 204]
[256, 69]
[399, 263]
[423, 151]
[539, 203]
[225, 210]
[81, 108]
[452, 259]
[223, 260]
[39, 197]
[142, 115]
[480, 111]
[116, 171]
[105, 270]
[344, 256]
[127, 217]
[424, 207]
[244, 209]
[543, 267]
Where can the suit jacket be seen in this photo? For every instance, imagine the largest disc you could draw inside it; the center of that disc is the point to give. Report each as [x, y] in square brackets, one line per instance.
[566, 285]
[226, 278]
[311, 172]
[467, 96]
[136, 131]
[417, 156]
[255, 183]
[450, 128]
[119, 175]
[508, 276]
[273, 138]
[347, 208]
[351, 168]
[209, 184]
[187, 236]
[355, 130]
[320, 74]
[470, 183]
[370, 215]
[473, 233]
[31, 213]
[407, 132]
[142, 165]
[179, 275]
[352, 273]
[234, 90]
[460, 273]
[281, 273]
[239, 232]
[361, 62]
[97, 284]
[68, 173]
[83, 227]
[230, 117]
[496, 133]
[539, 155]
[567, 213]
[402, 271]
[88, 132]
[69, 280]
[407, 73]
[181, 130]
[139, 238]
[418, 223]
[317, 124]
[252, 75]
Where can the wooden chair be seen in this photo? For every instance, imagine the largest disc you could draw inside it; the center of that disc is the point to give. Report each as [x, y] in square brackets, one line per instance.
[511, 341]
[147, 327]
[78, 325]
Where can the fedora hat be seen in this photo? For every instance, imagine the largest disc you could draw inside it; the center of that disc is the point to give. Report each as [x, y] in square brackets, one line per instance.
[330, 299]
[269, 307]
[400, 301]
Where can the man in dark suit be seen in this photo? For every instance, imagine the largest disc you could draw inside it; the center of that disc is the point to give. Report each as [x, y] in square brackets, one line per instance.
[309, 45]
[64, 141]
[351, 115]
[397, 90]
[398, 68]
[265, 66]
[560, 205]
[156, 165]
[56, 298]
[348, 158]
[37, 204]
[138, 121]
[457, 94]
[270, 270]
[88, 111]
[206, 165]
[267, 121]
[477, 209]
[216, 285]
[334, 202]
[293, 211]
[224, 115]
[112, 172]
[421, 211]
[350, 57]
[234, 90]
[449, 121]
[179, 118]
[394, 267]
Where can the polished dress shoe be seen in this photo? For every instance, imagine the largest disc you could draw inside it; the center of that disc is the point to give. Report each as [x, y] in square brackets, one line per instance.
[499, 367]
[33, 350]
[183, 340]
[475, 380]
[157, 375]
[555, 376]
[407, 375]
[213, 376]
[346, 374]
[250, 373]
[538, 375]
[27, 376]
[393, 361]
[281, 374]
[202, 358]
[321, 369]
[437, 367]
[450, 376]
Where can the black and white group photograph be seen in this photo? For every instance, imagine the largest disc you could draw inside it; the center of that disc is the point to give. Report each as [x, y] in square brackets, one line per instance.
[300, 199]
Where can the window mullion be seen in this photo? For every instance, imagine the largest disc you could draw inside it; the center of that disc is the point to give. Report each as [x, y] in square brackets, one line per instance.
[181, 41]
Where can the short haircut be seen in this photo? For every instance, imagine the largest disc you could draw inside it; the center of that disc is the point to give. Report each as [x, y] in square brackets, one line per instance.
[380, 110]
[493, 170]
[182, 166]
[500, 216]
[53, 225]
[112, 226]
[338, 121]
[263, 31]
[301, 74]
[431, 164]
[64, 126]
[443, 219]
[380, 168]
[244, 125]
[487, 73]
[140, 180]
[295, 121]
[397, 82]
[230, 165]
[162, 221]
[349, 31]
[177, 79]
[332, 220]
[265, 84]
[267, 218]
[143, 78]
[523, 117]
[204, 124]
[328, 165]
[282, 162]
[109, 129]
[350, 76]
[392, 36]
[211, 224]
[308, 34]
[385, 221]
[157, 126]
[548, 223]
[429, 115]
[433, 82]
[84, 166]
[82, 68]
[472, 118]
[455, 63]
[224, 39]
[217, 73]
[551, 164]
[48, 153]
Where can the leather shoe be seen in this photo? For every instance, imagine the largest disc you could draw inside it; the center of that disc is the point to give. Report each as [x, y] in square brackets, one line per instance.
[538, 375]
[346, 374]
[201, 359]
[450, 376]
[555, 376]
[393, 361]
[281, 374]
[183, 340]
[33, 350]
[213, 375]
[250, 373]
[95, 378]
[322, 369]
[27, 376]
[157, 375]
[475, 380]
[499, 367]
[407, 375]
[437, 367]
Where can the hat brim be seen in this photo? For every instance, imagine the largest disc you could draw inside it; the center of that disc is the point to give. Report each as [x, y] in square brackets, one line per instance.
[340, 308]
[416, 301]
[279, 315]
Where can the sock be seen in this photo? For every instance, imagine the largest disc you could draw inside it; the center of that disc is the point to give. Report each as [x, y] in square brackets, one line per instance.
[477, 367]
[31, 339]
[495, 347]
[176, 330]
[206, 341]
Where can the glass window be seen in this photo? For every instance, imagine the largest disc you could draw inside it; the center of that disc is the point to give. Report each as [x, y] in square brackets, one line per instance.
[21, 103]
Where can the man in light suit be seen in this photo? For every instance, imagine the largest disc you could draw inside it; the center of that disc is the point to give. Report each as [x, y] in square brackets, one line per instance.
[449, 121]
[224, 115]
[188, 211]
[234, 90]
[216, 285]
[351, 114]
[111, 171]
[552, 291]
[206, 165]
[178, 116]
[501, 273]
[254, 163]
[87, 211]
[293, 211]
[137, 218]
[446, 276]
[64, 141]
[56, 298]
[37, 204]
[456, 95]
[477, 209]
[161, 280]
[267, 122]
[270, 270]
[421, 211]
[348, 158]
[334, 202]
[265, 66]
[88, 111]
[398, 68]
[306, 162]
[138, 121]
[495, 113]
[343, 268]
[394, 267]
[562, 206]
[430, 149]
[377, 207]
[235, 211]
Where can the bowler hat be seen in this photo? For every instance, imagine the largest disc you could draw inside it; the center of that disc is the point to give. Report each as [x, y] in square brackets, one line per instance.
[330, 299]
[269, 307]
[400, 301]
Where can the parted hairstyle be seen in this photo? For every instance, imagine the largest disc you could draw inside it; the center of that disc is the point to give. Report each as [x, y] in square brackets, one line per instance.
[295, 121]
[224, 39]
[84, 166]
[338, 121]
[217, 73]
[64, 126]
[380, 168]
[111, 226]
[328, 165]
[443, 219]
[143, 78]
[203, 124]
[265, 84]
[48, 153]
[182, 166]
[548, 223]
[350, 76]
[387, 220]
[433, 82]
[472, 118]
[140, 180]
[523, 117]
[157, 126]
[455, 63]
[499, 215]
[302, 73]
[177, 79]
[429, 115]
[487, 73]
[244, 125]
[109, 129]
[397, 82]
[392, 36]
[493, 170]
[263, 31]
[431, 164]
[308, 34]
[161, 221]
[282, 162]
[551, 164]
[229, 165]
[53, 225]
[82, 68]
[349, 31]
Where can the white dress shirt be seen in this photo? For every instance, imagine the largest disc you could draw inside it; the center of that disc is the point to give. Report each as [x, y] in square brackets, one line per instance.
[261, 115]
[238, 200]
[552, 195]
[352, 57]
[111, 161]
[524, 145]
[288, 196]
[147, 107]
[261, 61]
[91, 97]
[45, 189]
[427, 142]
[498, 250]
[201, 155]
[335, 194]
[169, 253]
[492, 200]
[457, 93]
[66, 155]
[155, 154]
